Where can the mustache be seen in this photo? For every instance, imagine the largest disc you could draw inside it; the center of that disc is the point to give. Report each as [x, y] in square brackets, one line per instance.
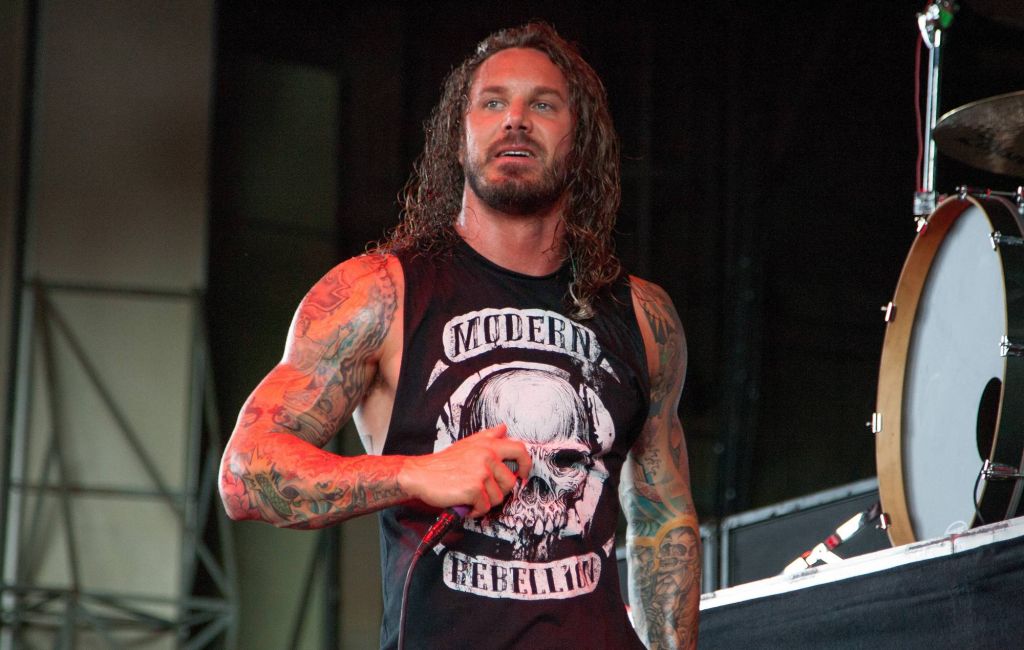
[515, 139]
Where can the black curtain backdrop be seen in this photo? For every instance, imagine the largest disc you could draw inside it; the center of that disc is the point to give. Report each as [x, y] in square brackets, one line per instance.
[769, 160]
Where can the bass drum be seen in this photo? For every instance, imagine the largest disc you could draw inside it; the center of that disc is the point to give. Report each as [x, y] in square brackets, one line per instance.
[951, 382]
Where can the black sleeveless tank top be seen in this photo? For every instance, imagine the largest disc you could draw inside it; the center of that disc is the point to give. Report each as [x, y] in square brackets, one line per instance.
[485, 345]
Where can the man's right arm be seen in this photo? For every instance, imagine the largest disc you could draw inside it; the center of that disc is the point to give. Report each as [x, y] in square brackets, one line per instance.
[274, 469]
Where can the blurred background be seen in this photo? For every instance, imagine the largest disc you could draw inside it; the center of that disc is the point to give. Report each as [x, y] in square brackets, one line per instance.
[176, 175]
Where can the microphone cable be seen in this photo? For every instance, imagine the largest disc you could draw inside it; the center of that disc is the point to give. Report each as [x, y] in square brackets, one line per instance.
[447, 520]
[444, 523]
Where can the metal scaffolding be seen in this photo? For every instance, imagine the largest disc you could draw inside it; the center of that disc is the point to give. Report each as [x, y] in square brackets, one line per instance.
[74, 613]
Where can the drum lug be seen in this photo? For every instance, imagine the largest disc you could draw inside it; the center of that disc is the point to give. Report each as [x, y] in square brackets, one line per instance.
[1008, 348]
[889, 309]
[999, 472]
[884, 521]
[999, 239]
[876, 423]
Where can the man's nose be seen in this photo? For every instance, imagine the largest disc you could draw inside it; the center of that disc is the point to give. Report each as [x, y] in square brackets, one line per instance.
[518, 117]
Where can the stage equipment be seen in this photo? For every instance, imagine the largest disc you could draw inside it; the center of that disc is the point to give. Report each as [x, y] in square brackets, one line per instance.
[987, 134]
[760, 543]
[824, 551]
[959, 591]
[936, 17]
[949, 388]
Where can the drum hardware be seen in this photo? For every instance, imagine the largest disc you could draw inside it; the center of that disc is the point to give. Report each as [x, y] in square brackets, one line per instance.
[1000, 472]
[991, 472]
[1017, 196]
[1008, 348]
[999, 239]
[954, 301]
[876, 423]
[889, 309]
[936, 17]
[937, 434]
[924, 204]
[884, 521]
[963, 191]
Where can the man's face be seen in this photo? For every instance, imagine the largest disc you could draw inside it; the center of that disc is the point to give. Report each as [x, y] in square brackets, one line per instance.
[518, 132]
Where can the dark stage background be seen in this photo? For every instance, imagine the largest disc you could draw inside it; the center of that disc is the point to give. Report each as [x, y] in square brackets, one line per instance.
[769, 165]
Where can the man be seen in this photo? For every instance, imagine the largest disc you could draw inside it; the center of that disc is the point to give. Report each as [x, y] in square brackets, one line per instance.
[494, 356]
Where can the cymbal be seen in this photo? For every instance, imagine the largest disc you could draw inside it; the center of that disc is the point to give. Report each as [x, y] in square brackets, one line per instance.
[987, 134]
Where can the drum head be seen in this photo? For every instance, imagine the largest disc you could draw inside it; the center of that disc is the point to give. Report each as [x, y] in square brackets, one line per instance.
[942, 374]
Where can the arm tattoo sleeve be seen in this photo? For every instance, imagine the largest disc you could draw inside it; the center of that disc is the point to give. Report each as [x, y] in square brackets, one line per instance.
[273, 468]
[663, 536]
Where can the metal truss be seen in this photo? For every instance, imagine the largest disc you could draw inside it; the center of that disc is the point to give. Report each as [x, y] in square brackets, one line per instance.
[204, 612]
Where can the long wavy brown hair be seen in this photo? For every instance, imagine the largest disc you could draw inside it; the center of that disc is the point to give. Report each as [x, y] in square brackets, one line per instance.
[433, 195]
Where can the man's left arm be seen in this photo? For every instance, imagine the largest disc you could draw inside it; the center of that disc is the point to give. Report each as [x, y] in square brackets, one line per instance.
[663, 536]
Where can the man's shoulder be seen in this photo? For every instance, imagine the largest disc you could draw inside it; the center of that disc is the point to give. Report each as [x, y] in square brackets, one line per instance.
[366, 265]
[645, 291]
[365, 287]
[361, 274]
[660, 326]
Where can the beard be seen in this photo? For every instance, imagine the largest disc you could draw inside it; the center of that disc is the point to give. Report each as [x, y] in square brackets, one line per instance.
[516, 193]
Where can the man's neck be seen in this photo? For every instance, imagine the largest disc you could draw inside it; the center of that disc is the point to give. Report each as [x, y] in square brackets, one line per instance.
[527, 244]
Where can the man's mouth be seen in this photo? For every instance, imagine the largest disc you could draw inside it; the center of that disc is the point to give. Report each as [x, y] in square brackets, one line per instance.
[515, 153]
[518, 146]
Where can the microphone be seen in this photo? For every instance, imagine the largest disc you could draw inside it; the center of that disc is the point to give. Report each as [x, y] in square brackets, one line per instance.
[451, 517]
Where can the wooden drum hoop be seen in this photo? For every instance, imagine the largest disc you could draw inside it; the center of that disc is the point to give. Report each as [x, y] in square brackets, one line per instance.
[905, 392]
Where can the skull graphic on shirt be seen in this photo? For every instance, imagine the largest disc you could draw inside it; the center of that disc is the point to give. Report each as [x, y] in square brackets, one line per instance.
[566, 429]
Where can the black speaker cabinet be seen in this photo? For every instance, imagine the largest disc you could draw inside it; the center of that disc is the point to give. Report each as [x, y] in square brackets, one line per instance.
[760, 543]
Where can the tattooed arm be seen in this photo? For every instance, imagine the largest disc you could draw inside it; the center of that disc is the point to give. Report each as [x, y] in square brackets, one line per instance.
[663, 536]
[340, 355]
[273, 468]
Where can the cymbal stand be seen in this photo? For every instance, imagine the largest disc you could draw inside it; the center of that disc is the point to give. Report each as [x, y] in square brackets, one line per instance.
[936, 17]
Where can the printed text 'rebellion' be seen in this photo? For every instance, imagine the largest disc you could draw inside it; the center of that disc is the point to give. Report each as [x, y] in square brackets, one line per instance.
[493, 578]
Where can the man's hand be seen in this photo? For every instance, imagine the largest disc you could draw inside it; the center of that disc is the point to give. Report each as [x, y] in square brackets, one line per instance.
[470, 472]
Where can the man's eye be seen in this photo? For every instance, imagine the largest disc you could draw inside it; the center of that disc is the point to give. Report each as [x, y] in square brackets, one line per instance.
[492, 103]
[543, 106]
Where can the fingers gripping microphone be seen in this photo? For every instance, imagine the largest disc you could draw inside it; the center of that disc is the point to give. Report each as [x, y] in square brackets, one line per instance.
[445, 522]
[450, 518]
